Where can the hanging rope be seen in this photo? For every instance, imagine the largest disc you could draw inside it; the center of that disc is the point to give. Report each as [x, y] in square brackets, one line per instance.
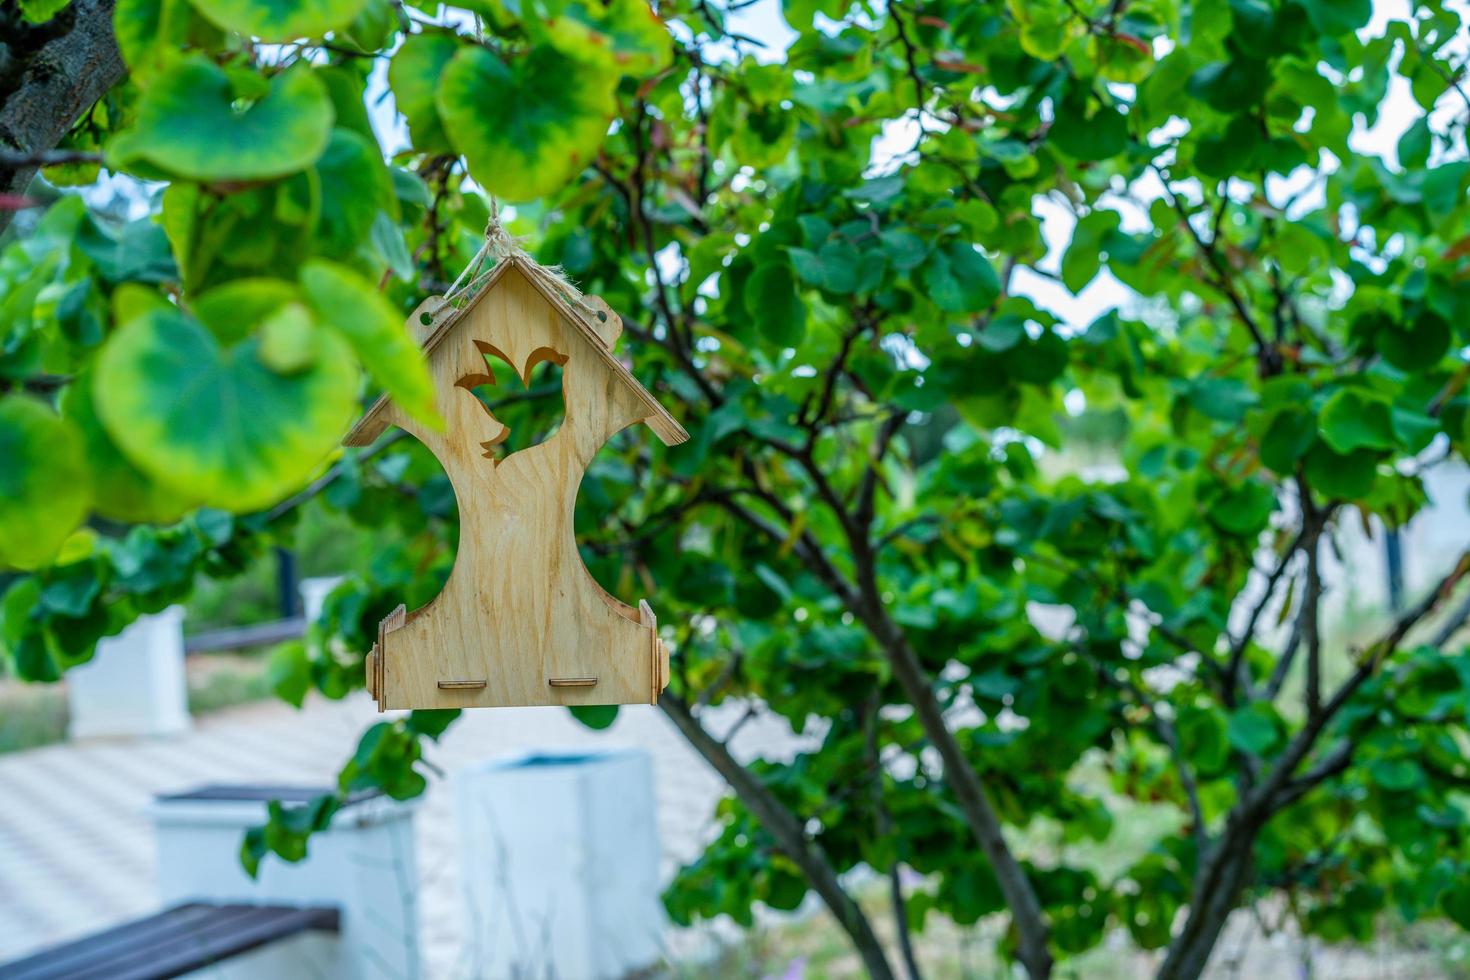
[499, 246]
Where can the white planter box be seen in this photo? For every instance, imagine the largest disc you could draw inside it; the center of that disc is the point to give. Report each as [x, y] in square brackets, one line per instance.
[364, 865]
[134, 684]
[560, 865]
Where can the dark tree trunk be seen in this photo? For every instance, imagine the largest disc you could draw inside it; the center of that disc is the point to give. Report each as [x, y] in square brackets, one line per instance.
[1217, 894]
[789, 834]
[50, 74]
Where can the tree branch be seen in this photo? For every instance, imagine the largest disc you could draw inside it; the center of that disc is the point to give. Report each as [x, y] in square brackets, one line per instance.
[883, 825]
[45, 158]
[865, 603]
[787, 830]
[1170, 737]
[1233, 680]
[62, 78]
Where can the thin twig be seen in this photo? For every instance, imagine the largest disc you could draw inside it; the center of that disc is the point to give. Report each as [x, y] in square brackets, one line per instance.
[15, 160]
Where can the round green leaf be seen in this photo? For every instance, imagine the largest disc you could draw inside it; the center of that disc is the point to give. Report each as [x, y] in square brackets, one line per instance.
[349, 304]
[218, 423]
[1344, 477]
[1414, 346]
[1204, 738]
[1253, 729]
[280, 20]
[624, 35]
[121, 491]
[1456, 903]
[771, 297]
[1333, 17]
[1288, 436]
[1099, 136]
[413, 75]
[233, 310]
[354, 184]
[528, 127]
[151, 33]
[44, 486]
[596, 716]
[187, 125]
[1353, 420]
[1396, 774]
[1244, 509]
[959, 279]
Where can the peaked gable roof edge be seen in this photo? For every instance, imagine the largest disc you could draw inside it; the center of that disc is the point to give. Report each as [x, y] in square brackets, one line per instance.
[664, 425]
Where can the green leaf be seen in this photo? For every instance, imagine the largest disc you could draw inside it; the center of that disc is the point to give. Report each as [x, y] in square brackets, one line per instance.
[1414, 346]
[1253, 729]
[280, 20]
[1352, 420]
[431, 722]
[414, 75]
[525, 128]
[289, 672]
[959, 279]
[347, 89]
[1398, 775]
[121, 491]
[44, 484]
[351, 305]
[1221, 399]
[1230, 86]
[833, 268]
[136, 252]
[616, 35]
[1343, 477]
[287, 340]
[187, 125]
[1287, 439]
[354, 185]
[770, 295]
[151, 34]
[40, 11]
[1413, 429]
[1455, 901]
[1244, 509]
[234, 310]
[1415, 144]
[905, 249]
[1334, 17]
[1046, 29]
[217, 422]
[595, 716]
[1084, 256]
[1098, 136]
[1204, 738]
[389, 244]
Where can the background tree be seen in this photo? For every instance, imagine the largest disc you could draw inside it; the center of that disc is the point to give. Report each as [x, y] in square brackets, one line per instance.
[878, 484]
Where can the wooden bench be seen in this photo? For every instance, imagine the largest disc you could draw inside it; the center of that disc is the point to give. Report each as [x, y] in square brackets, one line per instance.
[174, 943]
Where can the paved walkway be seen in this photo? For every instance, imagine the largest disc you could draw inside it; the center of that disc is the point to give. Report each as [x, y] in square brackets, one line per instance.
[76, 844]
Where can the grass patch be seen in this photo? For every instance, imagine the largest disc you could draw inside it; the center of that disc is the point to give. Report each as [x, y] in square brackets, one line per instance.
[32, 715]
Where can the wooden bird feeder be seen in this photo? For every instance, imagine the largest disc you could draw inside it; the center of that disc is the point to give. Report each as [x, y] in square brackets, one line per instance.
[521, 621]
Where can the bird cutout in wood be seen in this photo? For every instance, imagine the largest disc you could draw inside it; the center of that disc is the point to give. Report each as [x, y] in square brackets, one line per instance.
[520, 620]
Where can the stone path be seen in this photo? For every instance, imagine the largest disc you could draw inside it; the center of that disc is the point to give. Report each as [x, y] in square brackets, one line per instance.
[76, 844]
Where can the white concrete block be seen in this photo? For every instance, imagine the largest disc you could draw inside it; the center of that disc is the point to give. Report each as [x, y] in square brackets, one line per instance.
[560, 862]
[364, 865]
[134, 684]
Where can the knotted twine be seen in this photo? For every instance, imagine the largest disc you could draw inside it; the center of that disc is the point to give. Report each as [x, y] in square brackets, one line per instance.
[500, 246]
